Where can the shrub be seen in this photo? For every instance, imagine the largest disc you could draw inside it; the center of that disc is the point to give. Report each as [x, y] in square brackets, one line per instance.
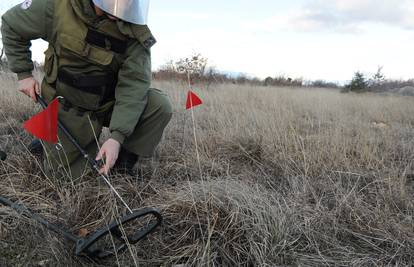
[283, 81]
[358, 82]
[323, 84]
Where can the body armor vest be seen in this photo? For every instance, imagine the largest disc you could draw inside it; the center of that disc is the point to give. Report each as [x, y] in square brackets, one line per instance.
[84, 57]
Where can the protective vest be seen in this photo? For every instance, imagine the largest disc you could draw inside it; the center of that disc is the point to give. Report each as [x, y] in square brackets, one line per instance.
[83, 59]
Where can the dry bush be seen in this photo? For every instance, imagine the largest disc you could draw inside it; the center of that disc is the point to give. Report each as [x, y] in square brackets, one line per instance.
[289, 177]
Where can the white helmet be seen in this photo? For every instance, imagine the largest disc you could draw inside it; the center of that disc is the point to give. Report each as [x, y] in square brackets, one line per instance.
[133, 11]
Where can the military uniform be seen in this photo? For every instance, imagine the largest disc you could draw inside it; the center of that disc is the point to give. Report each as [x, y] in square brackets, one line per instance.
[101, 68]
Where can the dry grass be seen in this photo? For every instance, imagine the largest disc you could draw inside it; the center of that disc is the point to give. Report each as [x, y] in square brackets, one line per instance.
[289, 177]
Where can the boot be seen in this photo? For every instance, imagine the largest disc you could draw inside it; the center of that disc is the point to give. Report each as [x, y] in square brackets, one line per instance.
[126, 162]
[36, 148]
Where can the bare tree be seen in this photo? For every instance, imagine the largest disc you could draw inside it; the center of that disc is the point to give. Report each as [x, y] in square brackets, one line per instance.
[193, 66]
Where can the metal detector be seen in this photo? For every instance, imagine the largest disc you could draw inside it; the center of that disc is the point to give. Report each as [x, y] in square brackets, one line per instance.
[96, 245]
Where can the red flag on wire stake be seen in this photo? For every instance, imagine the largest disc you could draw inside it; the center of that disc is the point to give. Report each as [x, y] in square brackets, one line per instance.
[192, 100]
[44, 124]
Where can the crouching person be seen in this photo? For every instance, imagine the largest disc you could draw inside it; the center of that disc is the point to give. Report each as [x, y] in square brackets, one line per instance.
[99, 65]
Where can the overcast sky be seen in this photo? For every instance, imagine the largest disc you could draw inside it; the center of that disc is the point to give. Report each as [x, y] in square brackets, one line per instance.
[313, 39]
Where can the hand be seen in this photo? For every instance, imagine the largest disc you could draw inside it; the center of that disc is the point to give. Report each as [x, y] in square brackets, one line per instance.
[29, 87]
[109, 151]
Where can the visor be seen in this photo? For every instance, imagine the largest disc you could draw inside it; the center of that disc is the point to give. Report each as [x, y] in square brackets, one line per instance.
[133, 11]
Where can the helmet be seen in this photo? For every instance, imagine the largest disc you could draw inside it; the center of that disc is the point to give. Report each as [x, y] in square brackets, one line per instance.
[133, 11]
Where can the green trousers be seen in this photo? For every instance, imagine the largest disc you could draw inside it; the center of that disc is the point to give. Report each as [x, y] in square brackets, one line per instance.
[64, 160]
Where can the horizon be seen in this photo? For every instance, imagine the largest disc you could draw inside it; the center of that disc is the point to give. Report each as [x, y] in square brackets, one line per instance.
[312, 40]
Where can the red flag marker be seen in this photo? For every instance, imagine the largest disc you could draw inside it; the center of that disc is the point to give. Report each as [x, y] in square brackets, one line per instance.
[44, 124]
[193, 100]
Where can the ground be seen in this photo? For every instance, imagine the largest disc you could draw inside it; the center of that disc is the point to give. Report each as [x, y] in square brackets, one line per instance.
[280, 177]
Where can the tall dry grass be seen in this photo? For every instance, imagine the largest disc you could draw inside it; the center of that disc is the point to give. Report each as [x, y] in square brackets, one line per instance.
[289, 177]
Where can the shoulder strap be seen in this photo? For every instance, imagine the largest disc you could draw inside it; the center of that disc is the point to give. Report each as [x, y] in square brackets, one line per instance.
[139, 32]
[106, 41]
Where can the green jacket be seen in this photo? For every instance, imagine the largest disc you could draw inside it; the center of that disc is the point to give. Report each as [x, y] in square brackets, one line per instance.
[41, 19]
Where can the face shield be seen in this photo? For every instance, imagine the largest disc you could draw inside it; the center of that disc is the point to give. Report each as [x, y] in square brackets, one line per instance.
[133, 11]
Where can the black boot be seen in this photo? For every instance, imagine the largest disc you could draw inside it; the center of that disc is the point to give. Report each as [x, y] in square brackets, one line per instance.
[36, 147]
[126, 162]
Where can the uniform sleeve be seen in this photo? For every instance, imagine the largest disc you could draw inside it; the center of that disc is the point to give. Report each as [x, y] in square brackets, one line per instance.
[131, 93]
[21, 24]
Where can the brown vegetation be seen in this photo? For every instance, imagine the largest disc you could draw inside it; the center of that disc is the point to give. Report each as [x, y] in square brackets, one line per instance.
[288, 178]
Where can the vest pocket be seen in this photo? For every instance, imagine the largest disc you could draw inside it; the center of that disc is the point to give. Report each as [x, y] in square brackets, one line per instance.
[87, 95]
[86, 51]
[83, 75]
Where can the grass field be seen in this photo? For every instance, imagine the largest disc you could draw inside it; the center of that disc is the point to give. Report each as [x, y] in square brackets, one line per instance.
[284, 177]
